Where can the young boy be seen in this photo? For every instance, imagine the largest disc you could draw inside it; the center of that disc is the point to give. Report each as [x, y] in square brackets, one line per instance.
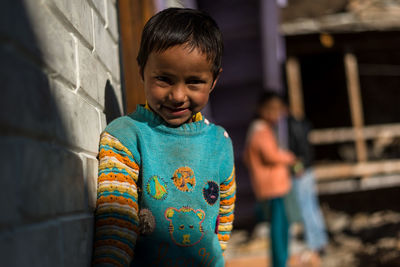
[268, 166]
[166, 186]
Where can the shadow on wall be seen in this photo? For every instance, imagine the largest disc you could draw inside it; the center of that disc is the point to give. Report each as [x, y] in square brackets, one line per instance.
[41, 180]
[111, 106]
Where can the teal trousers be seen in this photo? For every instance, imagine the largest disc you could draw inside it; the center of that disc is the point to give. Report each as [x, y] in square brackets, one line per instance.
[279, 232]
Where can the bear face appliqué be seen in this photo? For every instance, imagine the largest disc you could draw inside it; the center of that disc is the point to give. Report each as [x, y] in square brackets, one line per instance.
[185, 226]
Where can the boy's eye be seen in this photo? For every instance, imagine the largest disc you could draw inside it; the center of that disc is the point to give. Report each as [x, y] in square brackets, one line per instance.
[163, 79]
[196, 81]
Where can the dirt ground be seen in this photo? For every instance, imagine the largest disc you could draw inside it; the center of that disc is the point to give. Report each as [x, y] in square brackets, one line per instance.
[363, 238]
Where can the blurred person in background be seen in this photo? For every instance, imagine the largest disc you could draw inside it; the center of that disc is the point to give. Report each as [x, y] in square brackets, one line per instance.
[268, 165]
[304, 188]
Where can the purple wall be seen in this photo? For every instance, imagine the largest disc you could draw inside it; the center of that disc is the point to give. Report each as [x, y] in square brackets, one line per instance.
[248, 67]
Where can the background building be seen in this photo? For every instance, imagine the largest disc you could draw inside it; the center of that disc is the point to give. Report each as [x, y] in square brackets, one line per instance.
[343, 72]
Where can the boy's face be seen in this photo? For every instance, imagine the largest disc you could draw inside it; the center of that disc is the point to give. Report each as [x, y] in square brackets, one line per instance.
[272, 110]
[177, 83]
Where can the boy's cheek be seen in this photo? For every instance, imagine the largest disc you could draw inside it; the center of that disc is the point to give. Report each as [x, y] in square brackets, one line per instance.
[154, 94]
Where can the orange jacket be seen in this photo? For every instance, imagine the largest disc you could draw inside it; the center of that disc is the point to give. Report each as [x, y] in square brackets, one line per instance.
[267, 163]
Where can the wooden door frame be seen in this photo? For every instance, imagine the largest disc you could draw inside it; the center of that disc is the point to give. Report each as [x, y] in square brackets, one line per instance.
[133, 15]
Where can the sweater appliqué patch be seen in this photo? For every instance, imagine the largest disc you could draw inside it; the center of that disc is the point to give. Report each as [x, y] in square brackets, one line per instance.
[184, 179]
[147, 222]
[185, 226]
[211, 192]
[157, 188]
[226, 134]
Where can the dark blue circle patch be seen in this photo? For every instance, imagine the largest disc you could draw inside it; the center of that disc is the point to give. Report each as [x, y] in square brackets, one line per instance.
[211, 192]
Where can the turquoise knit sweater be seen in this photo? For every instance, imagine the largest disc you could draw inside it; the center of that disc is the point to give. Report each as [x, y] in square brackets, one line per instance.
[165, 195]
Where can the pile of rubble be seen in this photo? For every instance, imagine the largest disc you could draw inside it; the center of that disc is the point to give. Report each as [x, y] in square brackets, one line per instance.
[364, 239]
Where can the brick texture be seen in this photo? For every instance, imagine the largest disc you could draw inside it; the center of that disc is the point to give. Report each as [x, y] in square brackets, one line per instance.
[58, 59]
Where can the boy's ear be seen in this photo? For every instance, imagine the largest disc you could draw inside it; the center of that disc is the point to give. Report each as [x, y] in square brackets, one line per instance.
[169, 213]
[216, 79]
[200, 214]
[141, 73]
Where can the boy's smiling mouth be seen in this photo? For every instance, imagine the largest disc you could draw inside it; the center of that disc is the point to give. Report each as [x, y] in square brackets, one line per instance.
[176, 111]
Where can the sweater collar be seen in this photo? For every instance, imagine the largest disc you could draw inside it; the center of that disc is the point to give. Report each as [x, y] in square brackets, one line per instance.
[196, 117]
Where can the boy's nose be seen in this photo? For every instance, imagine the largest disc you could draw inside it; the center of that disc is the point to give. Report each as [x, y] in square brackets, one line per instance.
[178, 94]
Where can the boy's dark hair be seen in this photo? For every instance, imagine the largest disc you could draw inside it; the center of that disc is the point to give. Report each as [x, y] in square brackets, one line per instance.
[266, 96]
[176, 26]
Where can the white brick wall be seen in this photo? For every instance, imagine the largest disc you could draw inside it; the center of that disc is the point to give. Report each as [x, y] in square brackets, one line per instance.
[56, 57]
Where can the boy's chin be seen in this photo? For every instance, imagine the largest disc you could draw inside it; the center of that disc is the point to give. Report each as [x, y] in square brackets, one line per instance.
[176, 122]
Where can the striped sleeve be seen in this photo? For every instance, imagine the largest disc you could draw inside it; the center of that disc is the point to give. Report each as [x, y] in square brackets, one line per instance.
[116, 216]
[227, 206]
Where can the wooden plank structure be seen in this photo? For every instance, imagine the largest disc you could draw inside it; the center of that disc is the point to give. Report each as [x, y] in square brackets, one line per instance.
[362, 169]
[294, 87]
[353, 87]
[367, 164]
[327, 136]
[133, 14]
[359, 133]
